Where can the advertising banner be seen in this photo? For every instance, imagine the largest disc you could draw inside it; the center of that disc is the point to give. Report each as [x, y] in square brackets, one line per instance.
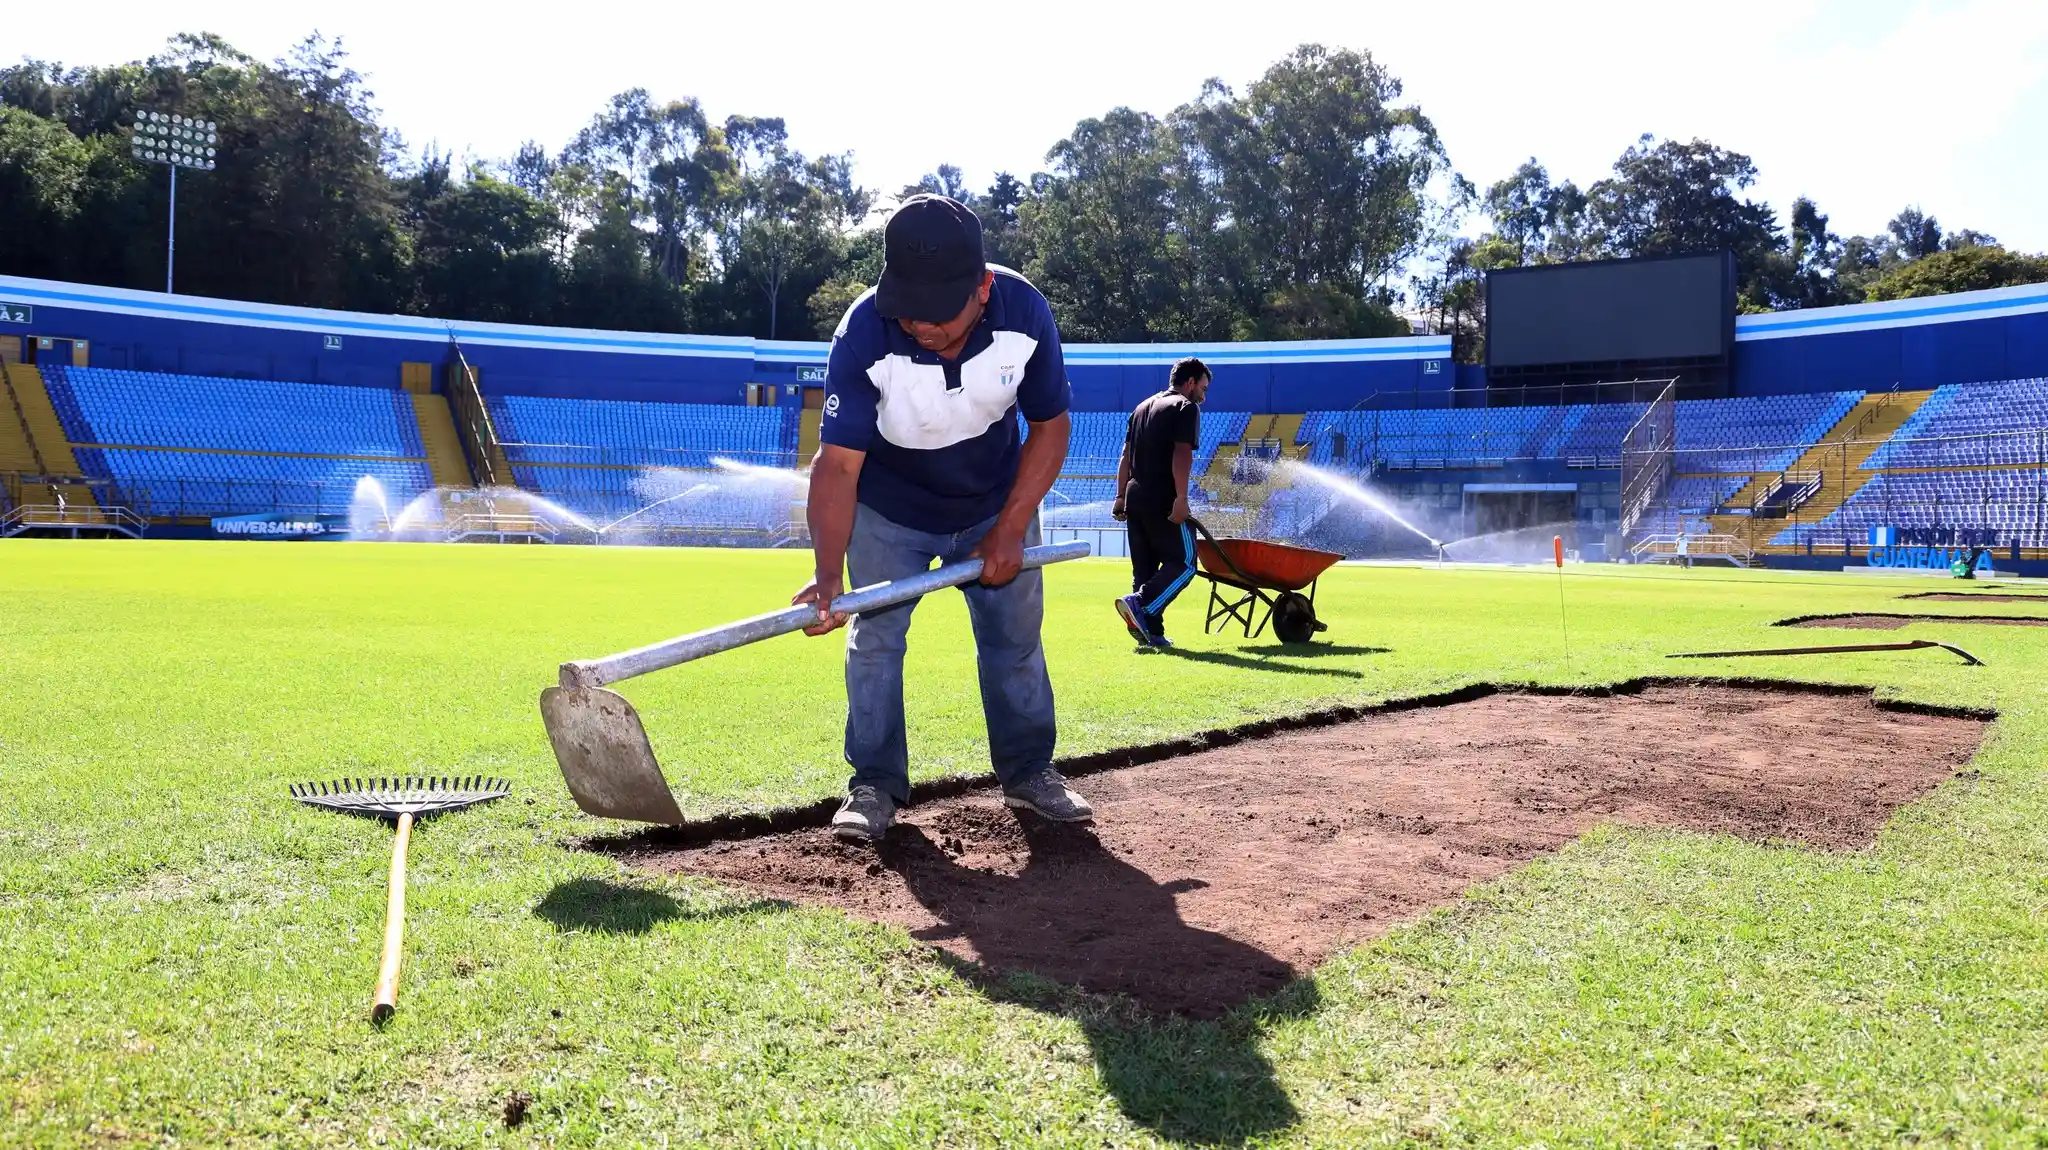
[1929, 549]
[280, 525]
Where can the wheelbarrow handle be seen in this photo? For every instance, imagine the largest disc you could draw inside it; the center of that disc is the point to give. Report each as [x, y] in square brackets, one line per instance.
[1221, 554]
[683, 648]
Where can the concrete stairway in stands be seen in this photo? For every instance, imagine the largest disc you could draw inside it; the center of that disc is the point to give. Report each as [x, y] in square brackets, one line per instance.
[1283, 428]
[445, 460]
[807, 427]
[17, 454]
[1837, 457]
[1219, 480]
[28, 409]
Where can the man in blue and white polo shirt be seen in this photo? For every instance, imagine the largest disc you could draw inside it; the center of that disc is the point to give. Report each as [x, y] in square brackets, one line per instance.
[920, 459]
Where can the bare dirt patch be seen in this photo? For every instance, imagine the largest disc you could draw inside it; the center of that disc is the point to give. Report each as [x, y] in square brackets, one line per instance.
[1218, 876]
[1968, 597]
[1884, 622]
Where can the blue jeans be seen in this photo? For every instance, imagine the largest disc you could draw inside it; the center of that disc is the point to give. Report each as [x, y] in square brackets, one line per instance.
[1016, 692]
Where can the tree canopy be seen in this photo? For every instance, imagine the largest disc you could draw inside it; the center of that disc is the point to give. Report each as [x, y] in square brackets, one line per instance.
[1316, 203]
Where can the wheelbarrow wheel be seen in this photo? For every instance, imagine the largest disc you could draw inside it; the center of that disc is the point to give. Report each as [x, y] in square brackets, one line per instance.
[1294, 618]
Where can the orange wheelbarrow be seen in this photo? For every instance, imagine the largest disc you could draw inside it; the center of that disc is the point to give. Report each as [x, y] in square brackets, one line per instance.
[1253, 583]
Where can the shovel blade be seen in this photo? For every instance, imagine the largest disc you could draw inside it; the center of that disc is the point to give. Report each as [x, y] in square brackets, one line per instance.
[605, 757]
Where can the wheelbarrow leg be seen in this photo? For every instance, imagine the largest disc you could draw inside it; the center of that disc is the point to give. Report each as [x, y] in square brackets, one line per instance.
[1265, 614]
[1238, 610]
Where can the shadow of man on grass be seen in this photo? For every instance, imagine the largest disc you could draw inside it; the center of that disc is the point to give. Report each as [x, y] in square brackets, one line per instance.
[593, 904]
[1273, 659]
[1166, 1014]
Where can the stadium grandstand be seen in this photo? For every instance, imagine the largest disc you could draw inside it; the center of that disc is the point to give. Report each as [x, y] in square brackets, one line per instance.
[134, 413]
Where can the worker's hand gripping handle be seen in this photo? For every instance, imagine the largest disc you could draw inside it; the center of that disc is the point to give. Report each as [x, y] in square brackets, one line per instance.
[683, 648]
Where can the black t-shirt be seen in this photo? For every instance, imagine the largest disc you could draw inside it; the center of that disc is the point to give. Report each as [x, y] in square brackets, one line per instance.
[1158, 424]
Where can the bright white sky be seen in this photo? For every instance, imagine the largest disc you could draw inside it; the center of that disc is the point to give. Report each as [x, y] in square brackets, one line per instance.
[1865, 105]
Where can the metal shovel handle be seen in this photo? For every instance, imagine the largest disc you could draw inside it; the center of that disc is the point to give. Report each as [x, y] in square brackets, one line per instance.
[683, 648]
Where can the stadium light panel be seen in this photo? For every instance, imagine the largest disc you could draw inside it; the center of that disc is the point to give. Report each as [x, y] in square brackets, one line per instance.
[182, 141]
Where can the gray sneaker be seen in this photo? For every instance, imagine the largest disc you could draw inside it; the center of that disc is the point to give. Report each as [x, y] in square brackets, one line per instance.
[864, 817]
[1047, 793]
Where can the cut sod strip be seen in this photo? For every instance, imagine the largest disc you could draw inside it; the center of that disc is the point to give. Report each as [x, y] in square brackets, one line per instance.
[1219, 876]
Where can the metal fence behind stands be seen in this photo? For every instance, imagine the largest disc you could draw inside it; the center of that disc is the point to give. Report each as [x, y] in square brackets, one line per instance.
[1649, 458]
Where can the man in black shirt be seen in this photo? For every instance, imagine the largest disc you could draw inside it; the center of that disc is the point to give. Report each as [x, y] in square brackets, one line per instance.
[1152, 497]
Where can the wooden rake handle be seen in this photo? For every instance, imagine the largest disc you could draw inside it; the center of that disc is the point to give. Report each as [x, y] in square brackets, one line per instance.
[394, 927]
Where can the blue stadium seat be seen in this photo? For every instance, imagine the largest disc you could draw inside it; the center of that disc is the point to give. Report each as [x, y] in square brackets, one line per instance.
[198, 445]
[1971, 425]
[547, 430]
[2012, 502]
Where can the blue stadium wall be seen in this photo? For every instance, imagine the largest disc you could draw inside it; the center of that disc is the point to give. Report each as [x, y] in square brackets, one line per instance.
[1921, 343]
[147, 331]
[1910, 344]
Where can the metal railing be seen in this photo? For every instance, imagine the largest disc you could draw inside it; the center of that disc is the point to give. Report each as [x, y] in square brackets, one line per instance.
[1680, 547]
[478, 435]
[538, 453]
[1785, 494]
[71, 519]
[501, 525]
[205, 498]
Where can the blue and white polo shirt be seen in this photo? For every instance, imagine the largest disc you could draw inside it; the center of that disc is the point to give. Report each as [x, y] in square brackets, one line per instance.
[941, 436]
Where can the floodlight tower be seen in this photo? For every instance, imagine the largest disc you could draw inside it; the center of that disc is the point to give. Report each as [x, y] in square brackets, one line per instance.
[175, 142]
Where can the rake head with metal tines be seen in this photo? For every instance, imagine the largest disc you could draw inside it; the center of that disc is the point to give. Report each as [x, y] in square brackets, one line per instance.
[402, 800]
[386, 798]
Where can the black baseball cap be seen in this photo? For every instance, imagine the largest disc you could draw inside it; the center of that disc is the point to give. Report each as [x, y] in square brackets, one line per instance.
[931, 260]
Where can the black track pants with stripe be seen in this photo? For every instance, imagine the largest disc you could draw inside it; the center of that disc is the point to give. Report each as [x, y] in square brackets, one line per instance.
[1162, 562]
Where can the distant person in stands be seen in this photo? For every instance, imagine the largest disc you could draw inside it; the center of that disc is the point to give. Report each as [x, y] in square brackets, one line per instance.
[1152, 499]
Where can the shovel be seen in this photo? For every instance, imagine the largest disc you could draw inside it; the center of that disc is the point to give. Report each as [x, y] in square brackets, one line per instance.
[598, 738]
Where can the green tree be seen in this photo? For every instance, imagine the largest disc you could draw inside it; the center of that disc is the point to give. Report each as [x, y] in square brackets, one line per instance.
[1809, 273]
[782, 226]
[298, 210]
[1526, 209]
[43, 174]
[859, 269]
[1453, 292]
[481, 248]
[1324, 172]
[1671, 198]
[612, 281]
[1099, 228]
[671, 166]
[827, 306]
[1915, 234]
[1969, 268]
[1235, 214]
[1320, 311]
[1001, 239]
[945, 180]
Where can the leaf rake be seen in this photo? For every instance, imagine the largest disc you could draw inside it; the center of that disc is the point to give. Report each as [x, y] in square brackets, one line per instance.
[402, 800]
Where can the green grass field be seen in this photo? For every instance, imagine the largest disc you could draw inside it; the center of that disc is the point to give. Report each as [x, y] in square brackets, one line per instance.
[187, 956]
